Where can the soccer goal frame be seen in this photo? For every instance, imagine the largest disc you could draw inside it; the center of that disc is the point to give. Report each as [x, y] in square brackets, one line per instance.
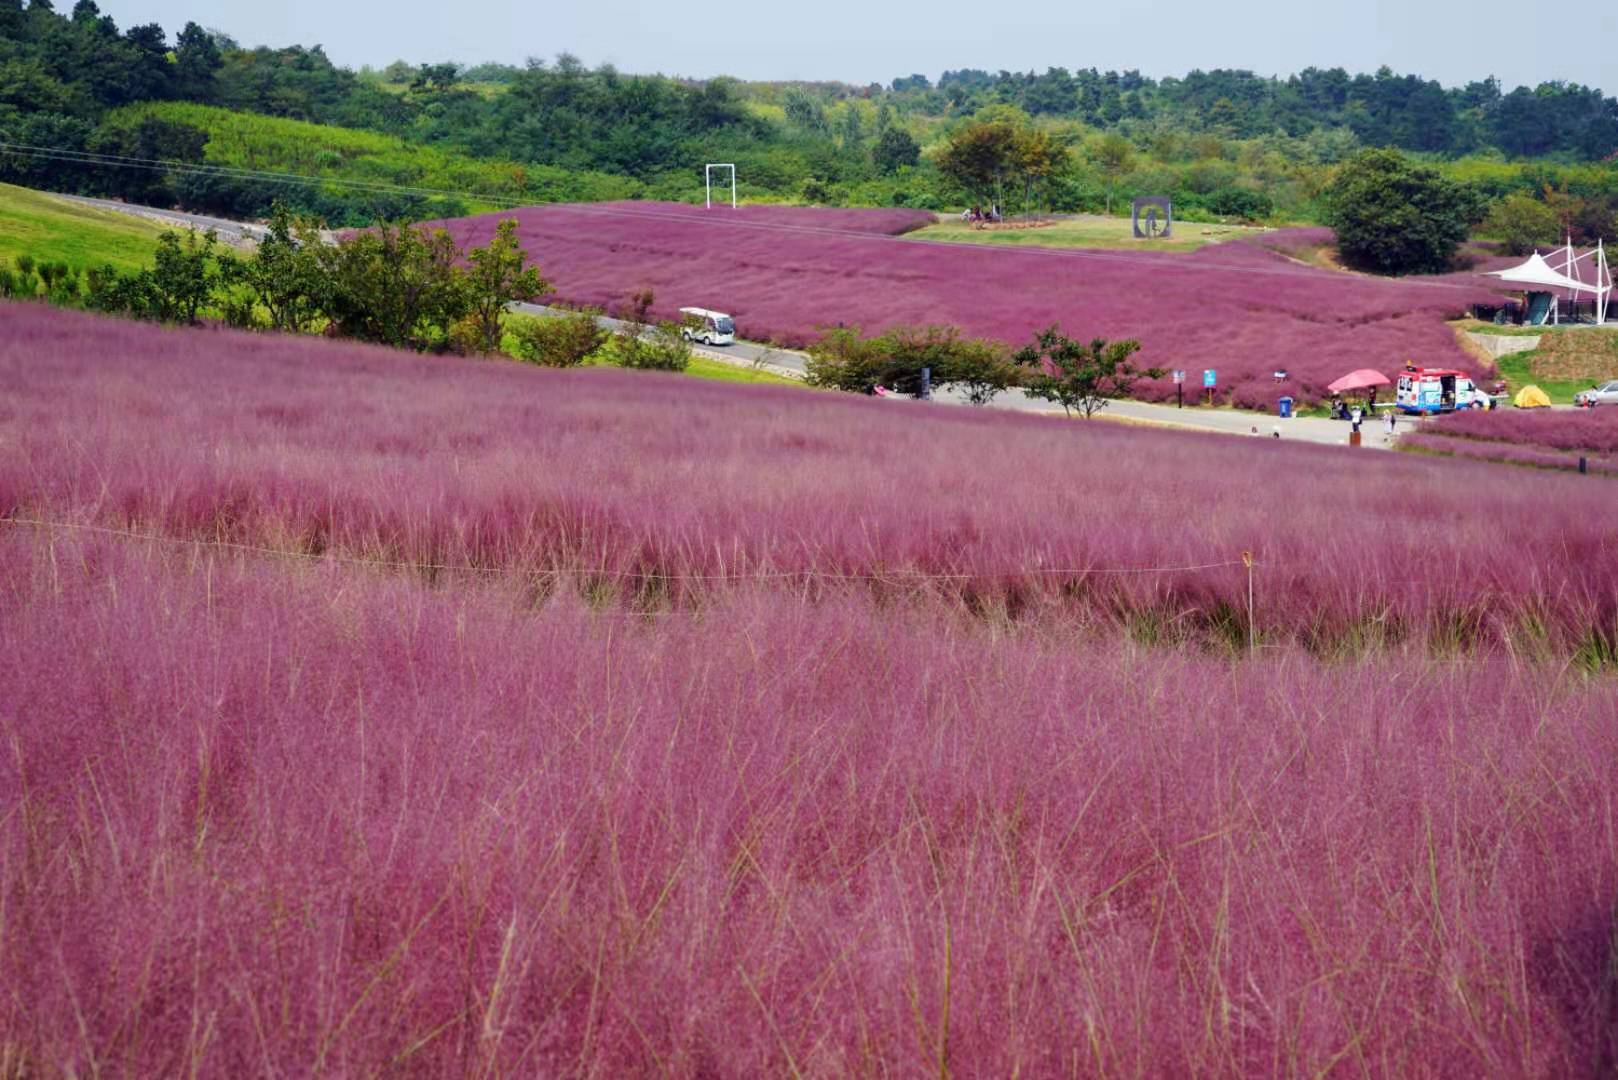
[708, 177]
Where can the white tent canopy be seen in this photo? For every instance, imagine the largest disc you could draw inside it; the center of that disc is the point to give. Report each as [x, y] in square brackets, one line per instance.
[1536, 271]
[1540, 273]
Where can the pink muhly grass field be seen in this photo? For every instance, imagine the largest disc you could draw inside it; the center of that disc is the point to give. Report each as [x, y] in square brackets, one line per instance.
[449, 717]
[1592, 430]
[300, 445]
[1509, 454]
[783, 273]
[260, 817]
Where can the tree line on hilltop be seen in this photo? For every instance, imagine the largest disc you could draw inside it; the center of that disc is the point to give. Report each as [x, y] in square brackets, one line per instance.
[1223, 144]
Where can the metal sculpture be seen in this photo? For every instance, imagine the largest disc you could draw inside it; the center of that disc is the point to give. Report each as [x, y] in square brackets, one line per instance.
[1154, 217]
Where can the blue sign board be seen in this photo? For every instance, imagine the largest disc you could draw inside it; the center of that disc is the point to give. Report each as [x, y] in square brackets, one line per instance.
[1209, 380]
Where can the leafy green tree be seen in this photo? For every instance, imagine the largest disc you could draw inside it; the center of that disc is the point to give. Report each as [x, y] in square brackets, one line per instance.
[805, 112]
[1240, 202]
[1114, 156]
[561, 341]
[394, 285]
[979, 157]
[1595, 218]
[435, 78]
[1081, 377]
[981, 370]
[148, 139]
[197, 61]
[498, 274]
[284, 276]
[851, 130]
[1522, 222]
[895, 149]
[108, 291]
[1394, 216]
[1040, 159]
[842, 359]
[184, 276]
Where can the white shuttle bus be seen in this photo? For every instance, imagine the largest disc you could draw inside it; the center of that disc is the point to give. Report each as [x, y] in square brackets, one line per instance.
[708, 327]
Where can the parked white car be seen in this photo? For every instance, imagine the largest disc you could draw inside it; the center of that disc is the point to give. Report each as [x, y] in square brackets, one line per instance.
[1605, 394]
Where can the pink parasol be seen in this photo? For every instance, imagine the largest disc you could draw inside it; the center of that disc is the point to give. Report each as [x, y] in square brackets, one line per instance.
[1363, 379]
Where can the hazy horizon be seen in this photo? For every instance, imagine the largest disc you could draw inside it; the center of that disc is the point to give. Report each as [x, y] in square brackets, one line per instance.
[846, 42]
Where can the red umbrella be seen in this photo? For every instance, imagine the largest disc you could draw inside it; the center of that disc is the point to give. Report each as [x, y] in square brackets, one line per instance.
[1363, 379]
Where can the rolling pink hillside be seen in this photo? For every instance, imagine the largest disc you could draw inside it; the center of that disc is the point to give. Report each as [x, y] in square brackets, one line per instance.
[1239, 308]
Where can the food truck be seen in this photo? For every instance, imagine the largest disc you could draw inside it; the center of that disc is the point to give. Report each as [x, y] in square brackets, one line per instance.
[1437, 390]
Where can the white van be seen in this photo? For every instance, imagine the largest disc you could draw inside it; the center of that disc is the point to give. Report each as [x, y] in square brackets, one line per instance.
[708, 327]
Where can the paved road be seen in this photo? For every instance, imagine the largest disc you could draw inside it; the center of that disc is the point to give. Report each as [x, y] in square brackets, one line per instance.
[1221, 421]
[792, 365]
[229, 231]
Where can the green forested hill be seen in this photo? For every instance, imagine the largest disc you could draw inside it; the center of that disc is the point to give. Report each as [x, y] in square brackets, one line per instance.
[1223, 144]
[371, 165]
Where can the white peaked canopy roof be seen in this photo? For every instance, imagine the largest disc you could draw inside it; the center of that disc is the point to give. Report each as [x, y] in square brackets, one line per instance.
[1536, 271]
[1540, 273]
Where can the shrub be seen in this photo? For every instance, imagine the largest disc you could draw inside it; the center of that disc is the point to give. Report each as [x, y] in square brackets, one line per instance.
[561, 341]
[1521, 222]
[844, 360]
[645, 345]
[1235, 202]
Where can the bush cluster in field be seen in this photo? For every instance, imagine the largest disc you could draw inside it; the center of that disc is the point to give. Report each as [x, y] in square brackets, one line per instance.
[577, 337]
[786, 275]
[391, 285]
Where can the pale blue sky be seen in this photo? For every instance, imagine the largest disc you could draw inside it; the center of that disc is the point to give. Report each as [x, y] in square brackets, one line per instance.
[863, 41]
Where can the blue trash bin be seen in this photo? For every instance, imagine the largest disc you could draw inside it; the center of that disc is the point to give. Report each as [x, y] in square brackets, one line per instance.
[1285, 409]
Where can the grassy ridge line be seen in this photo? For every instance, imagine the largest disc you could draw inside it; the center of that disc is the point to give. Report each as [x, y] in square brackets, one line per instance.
[243, 140]
[52, 229]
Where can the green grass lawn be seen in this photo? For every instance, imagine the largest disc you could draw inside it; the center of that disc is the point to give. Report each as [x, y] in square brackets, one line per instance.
[1085, 231]
[704, 368]
[1568, 359]
[56, 230]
